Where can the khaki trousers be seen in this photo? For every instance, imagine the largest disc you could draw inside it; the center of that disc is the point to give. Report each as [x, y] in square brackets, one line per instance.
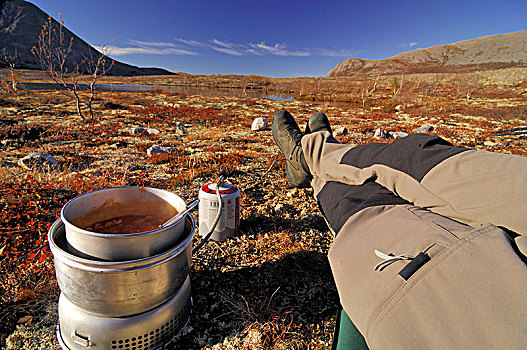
[452, 224]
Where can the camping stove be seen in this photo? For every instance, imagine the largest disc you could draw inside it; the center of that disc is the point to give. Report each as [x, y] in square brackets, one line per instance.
[150, 330]
[124, 304]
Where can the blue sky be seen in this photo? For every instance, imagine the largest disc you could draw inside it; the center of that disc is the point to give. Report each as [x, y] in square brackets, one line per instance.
[277, 38]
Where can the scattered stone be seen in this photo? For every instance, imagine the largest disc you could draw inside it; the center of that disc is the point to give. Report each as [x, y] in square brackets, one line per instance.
[151, 132]
[119, 144]
[137, 130]
[181, 129]
[340, 131]
[38, 161]
[158, 149]
[144, 131]
[259, 124]
[379, 134]
[488, 143]
[396, 134]
[423, 128]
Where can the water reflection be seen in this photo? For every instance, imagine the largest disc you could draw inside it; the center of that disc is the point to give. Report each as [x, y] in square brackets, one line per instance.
[183, 90]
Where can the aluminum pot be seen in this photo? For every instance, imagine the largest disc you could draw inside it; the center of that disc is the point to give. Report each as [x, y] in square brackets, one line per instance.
[108, 203]
[124, 287]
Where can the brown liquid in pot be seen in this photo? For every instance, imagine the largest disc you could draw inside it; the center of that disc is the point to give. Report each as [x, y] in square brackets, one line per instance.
[127, 224]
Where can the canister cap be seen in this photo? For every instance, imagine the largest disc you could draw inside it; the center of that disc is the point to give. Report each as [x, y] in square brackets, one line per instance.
[224, 188]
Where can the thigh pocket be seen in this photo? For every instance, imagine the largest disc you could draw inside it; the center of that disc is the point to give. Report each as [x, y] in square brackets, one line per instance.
[470, 295]
[395, 231]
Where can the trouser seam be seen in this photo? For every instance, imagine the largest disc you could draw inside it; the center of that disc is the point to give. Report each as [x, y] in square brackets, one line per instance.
[398, 296]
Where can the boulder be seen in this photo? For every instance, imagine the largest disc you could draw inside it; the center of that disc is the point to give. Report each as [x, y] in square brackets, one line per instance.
[259, 124]
[423, 128]
[39, 161]
[340, 131]
[158, 149]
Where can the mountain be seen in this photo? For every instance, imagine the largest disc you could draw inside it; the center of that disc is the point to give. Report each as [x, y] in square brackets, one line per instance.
[20, 26]
[483, 53]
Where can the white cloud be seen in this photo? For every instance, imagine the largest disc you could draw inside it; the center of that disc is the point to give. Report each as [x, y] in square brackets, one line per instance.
[151, 48]
[191, 42]
[119, 51]
[407, 45]
[182, 46]
[336, 53]
[228, 48]
[278, 49]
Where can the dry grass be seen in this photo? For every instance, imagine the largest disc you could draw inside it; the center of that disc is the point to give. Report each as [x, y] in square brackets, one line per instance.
[271, 286]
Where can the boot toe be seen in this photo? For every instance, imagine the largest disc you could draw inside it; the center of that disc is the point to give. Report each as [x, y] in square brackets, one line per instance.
[318, 122]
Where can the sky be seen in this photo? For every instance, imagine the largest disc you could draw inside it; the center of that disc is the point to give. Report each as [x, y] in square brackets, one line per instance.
[285, 38]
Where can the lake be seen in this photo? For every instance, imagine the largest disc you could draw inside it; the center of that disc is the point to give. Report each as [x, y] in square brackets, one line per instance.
[174, 89]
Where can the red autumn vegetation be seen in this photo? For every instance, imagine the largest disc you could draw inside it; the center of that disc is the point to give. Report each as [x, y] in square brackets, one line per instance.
[269, 287]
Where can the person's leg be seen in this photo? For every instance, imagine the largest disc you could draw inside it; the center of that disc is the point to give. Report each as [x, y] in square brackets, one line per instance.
[439, 285]
[459, 282]
[466, 185]
[445, 285]
[433, 283]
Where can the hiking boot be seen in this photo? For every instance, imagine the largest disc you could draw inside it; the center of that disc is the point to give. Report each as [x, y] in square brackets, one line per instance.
[287, 136]
[318, 122]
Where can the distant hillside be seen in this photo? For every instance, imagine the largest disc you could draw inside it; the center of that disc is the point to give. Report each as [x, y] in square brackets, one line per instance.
[20, 26]
[484, 53]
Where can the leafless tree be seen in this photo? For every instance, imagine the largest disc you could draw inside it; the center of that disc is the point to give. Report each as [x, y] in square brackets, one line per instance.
[53, 50]
[97, 67]
[11, 60]
[397, 85]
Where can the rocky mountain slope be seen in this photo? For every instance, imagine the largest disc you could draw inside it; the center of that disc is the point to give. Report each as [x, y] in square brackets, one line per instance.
[20, 26]
[484, 53]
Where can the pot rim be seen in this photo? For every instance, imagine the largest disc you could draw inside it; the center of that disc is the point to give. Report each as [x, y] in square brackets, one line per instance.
[115, 235]
[103, 266]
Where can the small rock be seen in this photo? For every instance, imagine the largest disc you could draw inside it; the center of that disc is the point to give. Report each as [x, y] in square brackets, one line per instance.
[379, 134]
[423, 128]
[158, 149]
[340, 131]
[137, 130]
[151, 132]
[119, 144]
[399, 108]
[396, 134]
[38, 161]
[259, 124]
[488, 143]
[144, 131]
[181, 129]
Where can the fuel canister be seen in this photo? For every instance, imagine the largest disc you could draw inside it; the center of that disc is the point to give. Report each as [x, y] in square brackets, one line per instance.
[229, 222]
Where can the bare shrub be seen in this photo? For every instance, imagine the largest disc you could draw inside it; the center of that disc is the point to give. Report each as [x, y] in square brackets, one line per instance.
[52, 52]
